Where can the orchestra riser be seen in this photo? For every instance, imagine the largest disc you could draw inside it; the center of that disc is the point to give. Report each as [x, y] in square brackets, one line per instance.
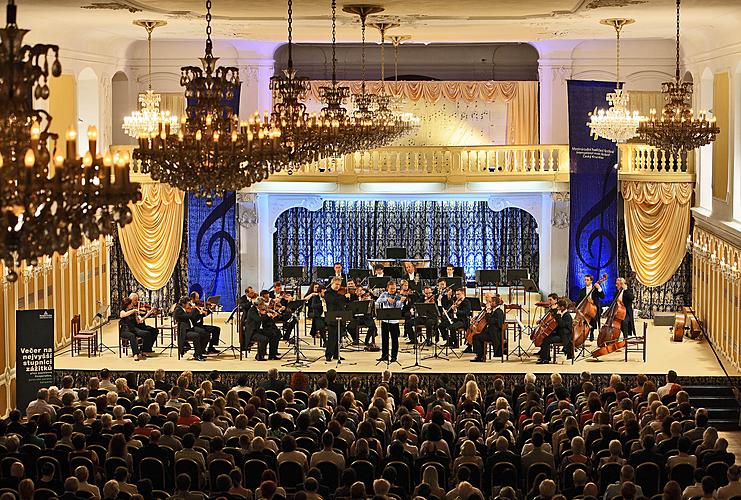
[688, 358]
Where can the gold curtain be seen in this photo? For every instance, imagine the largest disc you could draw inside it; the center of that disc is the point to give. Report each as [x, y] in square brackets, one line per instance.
[151, 243]
[521, 99]
[657, 222]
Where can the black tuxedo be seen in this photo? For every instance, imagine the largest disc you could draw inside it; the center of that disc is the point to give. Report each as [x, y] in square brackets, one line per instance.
[597, 296]
[213, 331]
[628, 324]
[261, 329]
[492, 333]
[334, 302]
[563, 334]
[187, 332]
[461, 319]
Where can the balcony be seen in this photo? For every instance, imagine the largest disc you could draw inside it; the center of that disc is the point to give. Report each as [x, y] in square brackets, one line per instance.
[444, 164]
[639, 162]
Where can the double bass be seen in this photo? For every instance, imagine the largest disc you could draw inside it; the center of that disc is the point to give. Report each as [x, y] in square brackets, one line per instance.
[607, 340]
[586, 311]
[686, 323]
[478, 325]
[547, 324]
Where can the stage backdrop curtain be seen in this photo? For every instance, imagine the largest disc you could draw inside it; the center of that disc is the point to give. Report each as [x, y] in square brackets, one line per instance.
[467, 234]
[521, 98]
[657, 222]
[151, 243]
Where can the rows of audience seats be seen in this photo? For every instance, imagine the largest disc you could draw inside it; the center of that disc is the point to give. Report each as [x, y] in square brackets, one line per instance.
[170, 437]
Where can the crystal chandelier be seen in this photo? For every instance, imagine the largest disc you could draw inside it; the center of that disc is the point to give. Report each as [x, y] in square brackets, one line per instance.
[43, 209]
[398, 100]
[147, 120]
[617, 123]
[213, 152]
[678, 131]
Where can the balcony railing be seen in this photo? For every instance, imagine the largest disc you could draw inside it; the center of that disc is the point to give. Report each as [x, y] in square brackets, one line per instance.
[453, 164]
[642, 162]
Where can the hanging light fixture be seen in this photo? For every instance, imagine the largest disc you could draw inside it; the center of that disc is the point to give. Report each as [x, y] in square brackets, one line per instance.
[43, 209]
[398, 100]
[149, 117]
[213, 152]
[616, 123]
[677, 130]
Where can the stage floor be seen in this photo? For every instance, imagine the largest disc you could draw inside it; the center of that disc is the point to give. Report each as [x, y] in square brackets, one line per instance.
[690, 358]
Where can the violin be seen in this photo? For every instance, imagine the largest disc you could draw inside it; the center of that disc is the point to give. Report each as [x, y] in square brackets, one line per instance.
[146, 310]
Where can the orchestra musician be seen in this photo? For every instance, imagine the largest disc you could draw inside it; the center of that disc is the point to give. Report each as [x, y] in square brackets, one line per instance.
[185, 316]
[378, 270]
[334, 302]
[407, 312]
[390, 327]
[494, 315]
[261, 328]
[458, 317]
[450, 271]
[445, 300]
[279, 303]
[597, 295]
[203, 310]
[562, 333]
[246, 302]
[365, 319]
[430, 324]
[139, 326]
[127, 328]
[338, 273]
[625, 295]
[411, 275]
[315, 310]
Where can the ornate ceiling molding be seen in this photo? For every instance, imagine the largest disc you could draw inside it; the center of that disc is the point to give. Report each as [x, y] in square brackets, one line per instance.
[123, 5]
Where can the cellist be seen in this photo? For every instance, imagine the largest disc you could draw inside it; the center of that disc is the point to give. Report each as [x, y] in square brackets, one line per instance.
[563, 333]
[494, 327]
[597, 295]
[625, 295]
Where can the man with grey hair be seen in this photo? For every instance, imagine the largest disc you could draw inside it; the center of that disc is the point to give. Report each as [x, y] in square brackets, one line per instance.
[41, 405]
[260, 328]
[186, 333]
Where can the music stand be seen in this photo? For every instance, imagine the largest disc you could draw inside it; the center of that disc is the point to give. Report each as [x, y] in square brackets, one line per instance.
[475, 303]
[340, 317]
[456, 282]
[300, 360]
[359, 308]
[296, 275]
[378, 282]
[396, 253]
[323, 272]
[355, 274]
[101, 315]
[393, 272]
[530, 287]
[388, 314]
[427, 273]
[514, 275]
[427, 311]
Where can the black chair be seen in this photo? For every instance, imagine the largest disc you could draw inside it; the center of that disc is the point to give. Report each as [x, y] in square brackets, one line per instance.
[76, 462]
[719, 472]
[504, 474]
[366, 473]
[403, 475]
[189, 467]
[330, 475]
[534, 470]
[153, 469]
[306, 443]
[474, 474]
[8, 490]
[216, 468]
[442, 473]
[44, 494]
[159, 494]
[683, 474]
[84, 494]
[111, 464]
[290, 476]
[567, 476]
[52, 460]
[5, 465]
[252, 478]
[648, 477]
[608, 473]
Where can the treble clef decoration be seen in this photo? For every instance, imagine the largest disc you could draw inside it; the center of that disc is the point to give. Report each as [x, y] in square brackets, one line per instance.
[216, 249]
[601, 257]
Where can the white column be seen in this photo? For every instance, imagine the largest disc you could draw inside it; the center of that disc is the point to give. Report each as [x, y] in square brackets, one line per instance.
[554, 116]
[255, 94]
[264, 246]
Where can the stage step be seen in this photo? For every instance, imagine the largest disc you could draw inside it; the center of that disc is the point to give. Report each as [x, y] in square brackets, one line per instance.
[720, 403]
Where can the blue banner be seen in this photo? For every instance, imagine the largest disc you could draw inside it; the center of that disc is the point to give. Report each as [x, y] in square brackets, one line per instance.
[212, 248]
[593, 184]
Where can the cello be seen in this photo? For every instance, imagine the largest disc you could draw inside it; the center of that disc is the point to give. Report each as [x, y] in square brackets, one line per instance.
[586, 311]
[478, 325]
[607, 340]
[547, 324]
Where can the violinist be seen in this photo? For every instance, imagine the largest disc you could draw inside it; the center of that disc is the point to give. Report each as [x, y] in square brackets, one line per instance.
[335, 301]
[407, 312]
[365, 319]
[597, 295]
[460, 316]
[185, 316]
[625, 295]
[279, 302]
[261, 328]
[563, 333]
[390, 327]
[127, 328]
[315, 310]
[139, 326]
[445, 300]
[494, 315]
[202, 309]
[246, 302]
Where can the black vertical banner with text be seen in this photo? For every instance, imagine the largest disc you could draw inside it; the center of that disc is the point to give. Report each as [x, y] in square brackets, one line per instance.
[34, 354]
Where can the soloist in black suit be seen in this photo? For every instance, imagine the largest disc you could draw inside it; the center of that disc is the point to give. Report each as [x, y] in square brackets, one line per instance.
[597, 296]
[335, 302]
[628, 324]
[187, 333]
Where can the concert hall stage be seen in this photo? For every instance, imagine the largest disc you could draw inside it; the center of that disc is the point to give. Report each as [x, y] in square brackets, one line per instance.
[688, 358]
